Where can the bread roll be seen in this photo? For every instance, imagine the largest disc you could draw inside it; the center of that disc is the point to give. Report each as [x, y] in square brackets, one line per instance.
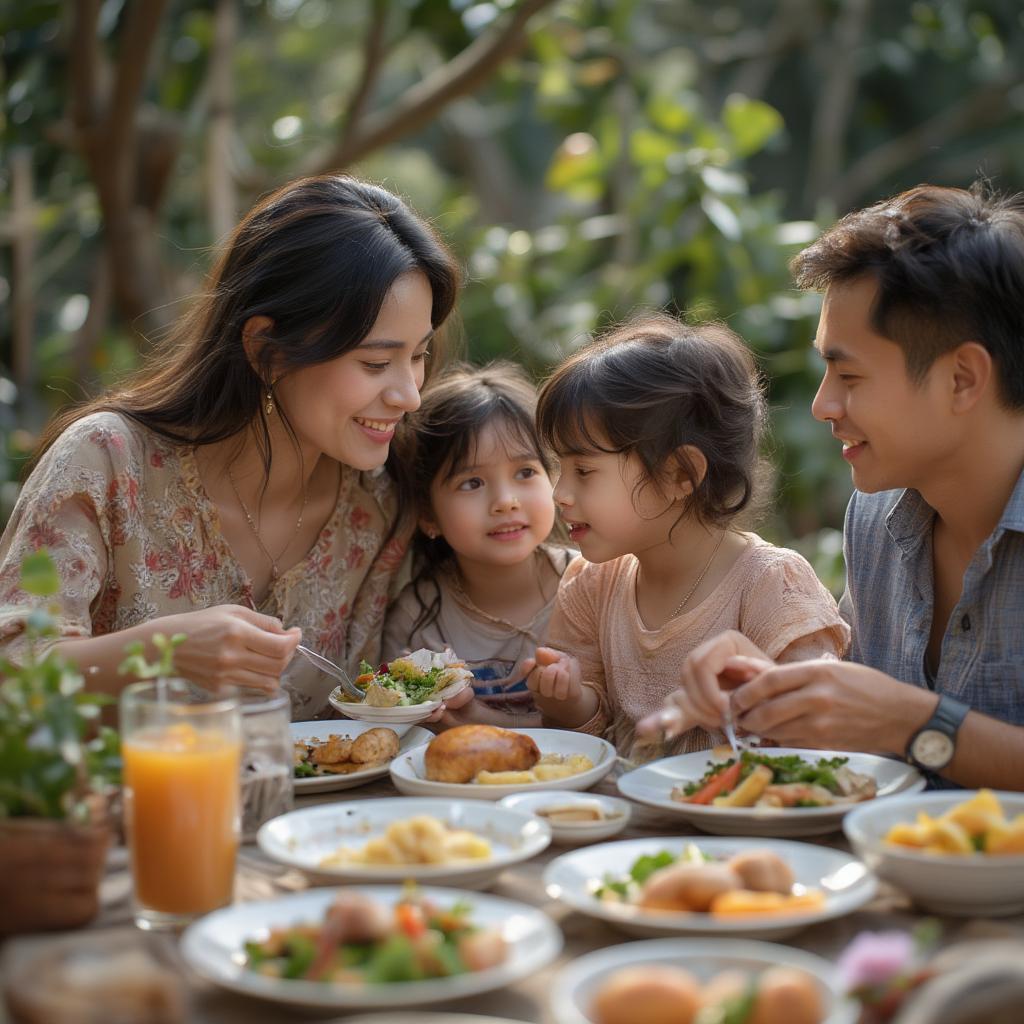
[458, 754]
[786, 996]
[647, 994]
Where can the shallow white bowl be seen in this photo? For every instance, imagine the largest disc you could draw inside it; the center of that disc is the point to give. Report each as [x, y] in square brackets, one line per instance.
[409, 775]
[577, 832]
[214, 946]
[302, 838]
[653, 784]
[576, 984]
[409, 737]
[573, 877]
[402, 715]
[983, 885]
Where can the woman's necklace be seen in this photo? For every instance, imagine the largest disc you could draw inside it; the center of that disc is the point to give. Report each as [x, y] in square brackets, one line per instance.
[696, 583]
[275, 573]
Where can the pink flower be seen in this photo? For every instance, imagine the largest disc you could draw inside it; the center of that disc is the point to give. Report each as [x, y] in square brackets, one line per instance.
[873, 958]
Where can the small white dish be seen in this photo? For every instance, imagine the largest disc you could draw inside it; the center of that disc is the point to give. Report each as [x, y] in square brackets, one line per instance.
[616, 813]
[979, 884]
[653, 783]
[845, 881]
[409, 774]
[407, 714]
[577, 984]
[303, 838]
[214, 946]
[409, 737]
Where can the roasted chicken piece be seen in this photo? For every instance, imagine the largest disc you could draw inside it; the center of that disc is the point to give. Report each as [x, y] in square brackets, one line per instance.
[334, 750]
[375, 745]
[459, 754]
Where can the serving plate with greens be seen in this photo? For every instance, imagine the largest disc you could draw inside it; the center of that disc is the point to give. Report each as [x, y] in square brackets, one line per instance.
[294, 949]
[671, 784]
[405, 690]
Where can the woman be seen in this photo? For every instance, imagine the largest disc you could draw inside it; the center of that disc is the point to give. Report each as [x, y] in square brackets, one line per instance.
[237, 490]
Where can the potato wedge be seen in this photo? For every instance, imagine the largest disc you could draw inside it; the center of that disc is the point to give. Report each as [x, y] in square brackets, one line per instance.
[746, 794]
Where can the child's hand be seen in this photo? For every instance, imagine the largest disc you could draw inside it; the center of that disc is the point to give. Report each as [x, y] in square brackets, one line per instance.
[554, 675]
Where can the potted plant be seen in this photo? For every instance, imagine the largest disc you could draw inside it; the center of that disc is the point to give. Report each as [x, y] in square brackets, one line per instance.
[57, 765]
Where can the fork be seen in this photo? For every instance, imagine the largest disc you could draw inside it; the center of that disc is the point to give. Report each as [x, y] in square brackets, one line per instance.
[334, 671]
[730, 733]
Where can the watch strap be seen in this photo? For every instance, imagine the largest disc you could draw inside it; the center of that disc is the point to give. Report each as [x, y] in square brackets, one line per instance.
[947, 718]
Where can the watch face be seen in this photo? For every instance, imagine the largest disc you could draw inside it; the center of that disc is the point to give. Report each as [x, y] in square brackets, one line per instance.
[932, 748]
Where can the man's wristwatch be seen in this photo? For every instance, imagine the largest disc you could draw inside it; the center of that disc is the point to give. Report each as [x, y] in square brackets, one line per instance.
[931, 748]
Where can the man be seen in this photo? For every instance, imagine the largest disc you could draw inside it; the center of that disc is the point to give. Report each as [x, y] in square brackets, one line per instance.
[922, 333]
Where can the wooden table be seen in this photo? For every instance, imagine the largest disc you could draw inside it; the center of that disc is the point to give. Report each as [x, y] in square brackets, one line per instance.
[259, 878]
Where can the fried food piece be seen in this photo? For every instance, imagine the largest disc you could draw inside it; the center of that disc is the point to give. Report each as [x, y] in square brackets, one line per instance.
[685, 887]
[652, 993]
[334, 750]
[486, 778]
[378, 696]
[460, 754]
[375, 745]
[785, 995]
[744, 902]
[763, 871]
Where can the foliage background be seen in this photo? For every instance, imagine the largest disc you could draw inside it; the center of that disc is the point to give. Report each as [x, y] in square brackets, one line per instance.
[584, 158]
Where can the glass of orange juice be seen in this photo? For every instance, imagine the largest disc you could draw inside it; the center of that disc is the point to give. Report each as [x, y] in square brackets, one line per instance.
[181, 747]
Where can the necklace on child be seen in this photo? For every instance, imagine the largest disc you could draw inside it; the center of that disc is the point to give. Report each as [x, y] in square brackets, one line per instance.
[696, 583]
[455, 582]
[275, 572]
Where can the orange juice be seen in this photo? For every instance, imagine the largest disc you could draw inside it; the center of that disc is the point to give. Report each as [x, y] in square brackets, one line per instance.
[181, 787]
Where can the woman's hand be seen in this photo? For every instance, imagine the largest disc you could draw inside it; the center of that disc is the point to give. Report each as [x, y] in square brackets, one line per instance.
[443, 714]
[231, 645]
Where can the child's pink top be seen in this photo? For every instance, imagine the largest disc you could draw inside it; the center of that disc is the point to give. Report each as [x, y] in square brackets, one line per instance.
[770, 594]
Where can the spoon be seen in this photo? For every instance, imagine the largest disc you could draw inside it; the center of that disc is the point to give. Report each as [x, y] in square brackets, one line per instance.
[334, 671]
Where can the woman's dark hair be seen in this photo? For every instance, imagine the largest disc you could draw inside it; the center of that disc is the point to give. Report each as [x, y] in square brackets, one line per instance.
[317, 257]
[652, 385]
[455, 409]
[949, 265]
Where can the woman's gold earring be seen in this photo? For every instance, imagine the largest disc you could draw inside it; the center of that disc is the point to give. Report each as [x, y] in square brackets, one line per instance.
[269, 407]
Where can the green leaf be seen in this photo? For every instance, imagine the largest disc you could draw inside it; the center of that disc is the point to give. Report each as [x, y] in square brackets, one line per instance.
[750, 122]
[39, 575]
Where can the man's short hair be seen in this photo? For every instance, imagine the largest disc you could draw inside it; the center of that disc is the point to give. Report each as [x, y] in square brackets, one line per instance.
[949, 265]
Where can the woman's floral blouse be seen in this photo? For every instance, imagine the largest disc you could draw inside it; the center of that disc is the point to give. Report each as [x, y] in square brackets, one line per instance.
[134, 535]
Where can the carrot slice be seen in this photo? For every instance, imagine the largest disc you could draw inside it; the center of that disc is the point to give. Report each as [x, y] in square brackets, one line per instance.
[724, 780]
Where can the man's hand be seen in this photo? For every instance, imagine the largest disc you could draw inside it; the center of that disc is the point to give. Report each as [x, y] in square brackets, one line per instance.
[830, 705]
[707, 675]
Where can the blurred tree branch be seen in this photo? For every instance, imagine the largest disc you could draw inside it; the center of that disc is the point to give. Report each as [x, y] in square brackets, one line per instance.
[985, 105]
[458, 77]
[374, 51]
[835, 102]
[106, 133]
[222, 197]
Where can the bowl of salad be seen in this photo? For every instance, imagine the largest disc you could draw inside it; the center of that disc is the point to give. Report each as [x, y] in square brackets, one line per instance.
[768, 791]
[404, 690]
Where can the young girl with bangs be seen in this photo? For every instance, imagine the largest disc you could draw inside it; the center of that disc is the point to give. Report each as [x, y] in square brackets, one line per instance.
[657, 427]
[484, 572]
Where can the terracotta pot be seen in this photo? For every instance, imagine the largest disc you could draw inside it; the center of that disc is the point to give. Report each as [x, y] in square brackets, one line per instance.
[50, 873]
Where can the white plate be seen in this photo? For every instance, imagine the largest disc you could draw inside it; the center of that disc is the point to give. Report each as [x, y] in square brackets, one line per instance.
[653, 784]
[846, 882]
[576, 984]
[983, 885]
[423, 1018]
[409, 775]
[409, 737]
[574, 832]
[214, 947]
[401, 714]
[302, 838]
